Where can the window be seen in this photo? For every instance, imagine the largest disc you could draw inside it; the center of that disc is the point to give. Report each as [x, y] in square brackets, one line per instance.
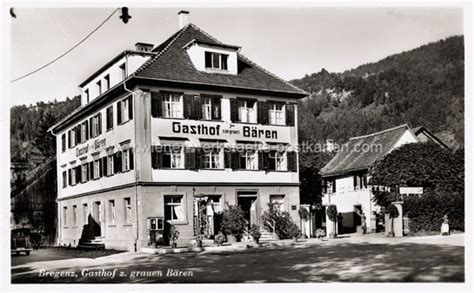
[212, 159]
[277, 113]
[360, 181]
[172, 157]
[216, 60]
[99, 87]
[110, 165]
[214, 201]
[64, 216]
[84, 172]
[110, 118]
[72, 138]
[126, 160]
[86, 93]
[96, 125]
[64, 179]
[85, 213]
[84, 132]
[107, 82]
[277, 161]
[173, 208]
[211, 108]
[248, 160]
[173, 105]
[74, 215]
[96, 171]
[112, 211]
[128, 209]
[247, 111]
[73, 176]
[124, 110]
[63, 142]
[123, 71]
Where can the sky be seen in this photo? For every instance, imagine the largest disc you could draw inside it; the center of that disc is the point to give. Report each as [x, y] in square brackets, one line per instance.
[289, 42]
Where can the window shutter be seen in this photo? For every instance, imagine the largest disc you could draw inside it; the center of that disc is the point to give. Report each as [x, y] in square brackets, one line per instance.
[69, 139]
[262, 108]
[216, 108]
[119, 161]
[260, 160]
[292, 164]
[87, 129]
[290, 114]
[78, 174]
[69, 176]
[198, 158]
[227, 159]
[100, 122]
[188, 106]
[190, 158]
[92, 134]
[266, 159]
[119, 112]
[101, 169]
[197, 107]
[78, 134]
[156, 101]
[234, 111]
[130, 157]
[90, 173]
[104, 165]
[235, 160]
[130, 108]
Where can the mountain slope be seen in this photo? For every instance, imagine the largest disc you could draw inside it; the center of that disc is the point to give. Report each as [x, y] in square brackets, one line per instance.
[424, 86]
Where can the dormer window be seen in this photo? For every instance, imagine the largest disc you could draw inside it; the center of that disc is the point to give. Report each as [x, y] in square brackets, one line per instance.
[216, 60]
[99, 87]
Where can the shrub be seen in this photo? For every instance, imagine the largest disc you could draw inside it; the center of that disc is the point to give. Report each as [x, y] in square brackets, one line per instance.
[233, 221]
[284, 225]
[332, 212]
[173, 234]
[255, 232]
[304, 214]
[426, 212]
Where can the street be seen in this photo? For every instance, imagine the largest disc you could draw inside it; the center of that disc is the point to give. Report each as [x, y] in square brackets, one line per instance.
[357, 259]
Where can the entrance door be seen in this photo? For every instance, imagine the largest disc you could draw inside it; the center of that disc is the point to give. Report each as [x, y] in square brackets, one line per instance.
[97, 216]
[247, 201]
[357, 217]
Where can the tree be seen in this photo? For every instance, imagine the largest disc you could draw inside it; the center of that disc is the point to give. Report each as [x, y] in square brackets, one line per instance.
[393, 213]
[44, 140]
[424, 165]
[331, 211]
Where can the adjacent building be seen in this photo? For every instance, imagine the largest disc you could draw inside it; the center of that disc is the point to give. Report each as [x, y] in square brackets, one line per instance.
[173, 134]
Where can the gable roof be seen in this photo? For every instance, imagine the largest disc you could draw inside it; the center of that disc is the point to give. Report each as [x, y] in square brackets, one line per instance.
[352, 158]
[421, 129]
[172, 63]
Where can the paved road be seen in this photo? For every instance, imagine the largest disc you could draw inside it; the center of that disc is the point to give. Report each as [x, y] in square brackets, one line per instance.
[431, 259]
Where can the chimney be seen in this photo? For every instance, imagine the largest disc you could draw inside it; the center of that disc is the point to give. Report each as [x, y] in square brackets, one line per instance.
[183, 17]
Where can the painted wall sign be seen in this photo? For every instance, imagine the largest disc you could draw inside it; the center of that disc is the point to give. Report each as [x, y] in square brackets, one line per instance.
[411, 190]
[97, 144]
[194, 130]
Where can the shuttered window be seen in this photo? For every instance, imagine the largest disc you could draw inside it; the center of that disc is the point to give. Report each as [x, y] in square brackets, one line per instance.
[63, 143]
[64, 179]
[211, 107]
[247, 111]
[173, 105]
[290, 114]
[292, 162]
[110, 118]
[276, 113]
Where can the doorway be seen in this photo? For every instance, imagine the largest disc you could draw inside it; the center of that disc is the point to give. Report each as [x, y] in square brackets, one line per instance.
[247, 201]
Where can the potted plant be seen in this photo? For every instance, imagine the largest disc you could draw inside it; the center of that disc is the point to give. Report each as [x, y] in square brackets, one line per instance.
[331, 211]
[304, 217]
[233, 223]
[255, 233]
[393, 213]
[173, 236]
[294, 232]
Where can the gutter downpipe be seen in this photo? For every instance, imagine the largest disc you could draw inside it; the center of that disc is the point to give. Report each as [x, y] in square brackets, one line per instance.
[58, 227]
[134, 157]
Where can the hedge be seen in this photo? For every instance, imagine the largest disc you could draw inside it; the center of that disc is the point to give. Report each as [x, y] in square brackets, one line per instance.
[426, 212]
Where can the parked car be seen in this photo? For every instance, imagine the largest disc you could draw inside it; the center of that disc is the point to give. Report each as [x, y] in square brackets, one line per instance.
[20, 241]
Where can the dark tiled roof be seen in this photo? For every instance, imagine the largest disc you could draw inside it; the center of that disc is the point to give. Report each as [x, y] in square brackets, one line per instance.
[352, 158]
[174, 64]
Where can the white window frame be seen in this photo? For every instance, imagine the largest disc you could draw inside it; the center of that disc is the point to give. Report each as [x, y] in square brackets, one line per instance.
[213, 159]
[95, 174]
[173, 105]
[207, 108]
[174, 202]
[127, 202]
[124, 105]
[276, 116]
[280, 160]
[113, 215]
[126, 160]
[110, 165]
[72, 137]
[247, 114]
[251, 160]
[73, 176]
[176, 154]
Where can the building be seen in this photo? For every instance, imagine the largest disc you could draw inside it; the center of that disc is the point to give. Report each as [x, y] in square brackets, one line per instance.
[346, 176]
[424, 135]
[158, 139]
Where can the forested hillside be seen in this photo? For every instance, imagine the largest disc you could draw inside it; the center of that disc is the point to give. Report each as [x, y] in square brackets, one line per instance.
[424, 86]
[29, 140]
